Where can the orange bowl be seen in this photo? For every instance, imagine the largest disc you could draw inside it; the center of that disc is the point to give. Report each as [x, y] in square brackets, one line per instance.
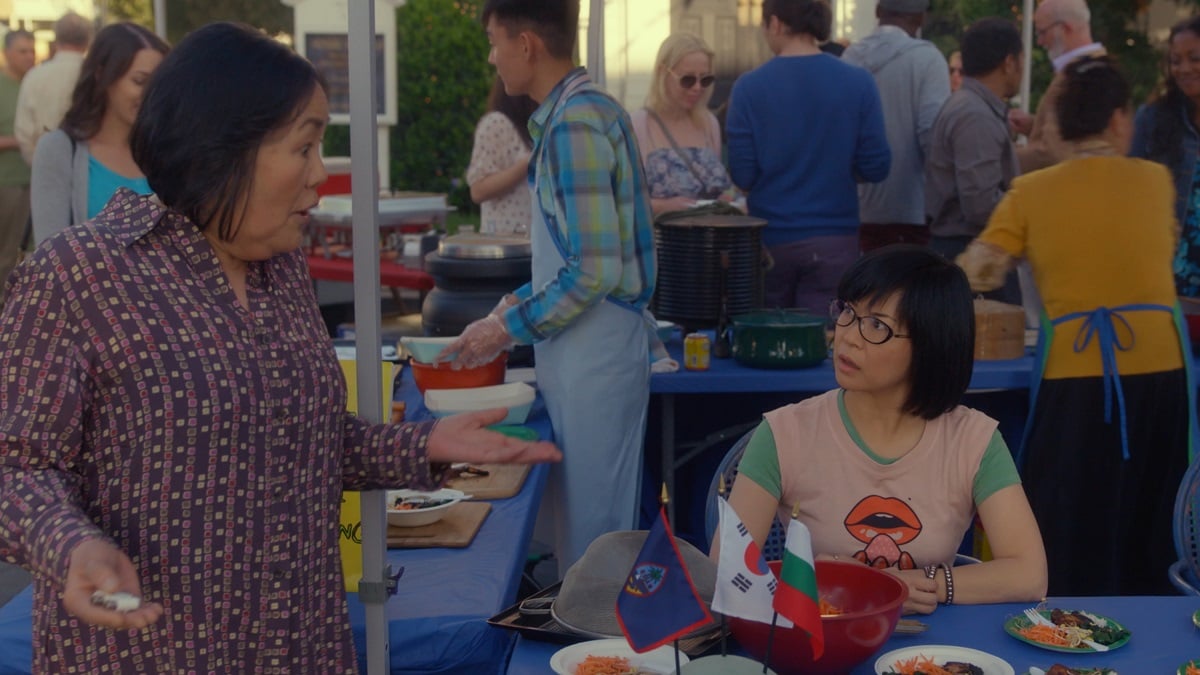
[870, 601]
[443, 376]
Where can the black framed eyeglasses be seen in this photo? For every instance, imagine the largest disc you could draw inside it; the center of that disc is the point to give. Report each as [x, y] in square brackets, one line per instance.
[689, 81]
[872, 329]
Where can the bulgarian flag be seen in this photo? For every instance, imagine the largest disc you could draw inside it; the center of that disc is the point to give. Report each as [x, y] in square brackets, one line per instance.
[796, 597]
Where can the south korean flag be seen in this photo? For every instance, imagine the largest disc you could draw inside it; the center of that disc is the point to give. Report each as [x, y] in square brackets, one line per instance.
[745, 585]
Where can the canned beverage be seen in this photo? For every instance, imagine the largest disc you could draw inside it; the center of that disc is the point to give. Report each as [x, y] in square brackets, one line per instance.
[696, 347]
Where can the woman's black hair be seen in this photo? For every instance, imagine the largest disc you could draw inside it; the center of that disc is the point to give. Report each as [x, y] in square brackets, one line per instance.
[1165, 143]
[108, 60]
[1093, 89]
[517, 109]
[207, 110]
[936, 313]
[809, 17]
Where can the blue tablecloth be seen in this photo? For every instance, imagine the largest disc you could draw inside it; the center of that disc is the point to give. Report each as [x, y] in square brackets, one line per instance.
[437, 619]
[727, 375]
[1163, 637]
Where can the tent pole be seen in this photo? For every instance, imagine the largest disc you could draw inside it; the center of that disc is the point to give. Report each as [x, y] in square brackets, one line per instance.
[1027, 66]
[364, 178]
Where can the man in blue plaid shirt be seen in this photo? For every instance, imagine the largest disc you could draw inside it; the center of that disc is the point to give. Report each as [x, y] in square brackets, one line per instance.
[593, 274]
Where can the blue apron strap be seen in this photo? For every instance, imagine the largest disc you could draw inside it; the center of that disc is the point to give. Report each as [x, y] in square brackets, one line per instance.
[1045, 337]
[1189, 371]
[1101, 324]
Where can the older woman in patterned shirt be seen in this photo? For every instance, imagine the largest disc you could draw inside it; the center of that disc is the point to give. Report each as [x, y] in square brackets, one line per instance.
[172, 415]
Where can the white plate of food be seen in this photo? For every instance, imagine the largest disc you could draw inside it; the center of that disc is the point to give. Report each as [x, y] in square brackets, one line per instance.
[413, 508]
[619, 654]
[895, 661]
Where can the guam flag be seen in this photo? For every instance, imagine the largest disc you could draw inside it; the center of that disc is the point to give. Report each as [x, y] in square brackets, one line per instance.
[796, 597]
[659, 603]
[745, 585]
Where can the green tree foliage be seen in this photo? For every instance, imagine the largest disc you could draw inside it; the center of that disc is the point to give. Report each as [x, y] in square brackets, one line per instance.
[443, 83]
[138, 11]
[272, 16]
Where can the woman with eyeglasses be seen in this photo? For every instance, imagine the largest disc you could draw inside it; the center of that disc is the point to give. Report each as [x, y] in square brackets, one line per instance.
[889, 469]
[678, 136]
[803, 130]
[1107, 440]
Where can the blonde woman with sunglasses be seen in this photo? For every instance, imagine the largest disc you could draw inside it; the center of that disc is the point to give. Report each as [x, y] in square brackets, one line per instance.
[679, 138]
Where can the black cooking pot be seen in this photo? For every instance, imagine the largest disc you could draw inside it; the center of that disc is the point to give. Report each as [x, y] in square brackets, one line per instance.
[779, 339]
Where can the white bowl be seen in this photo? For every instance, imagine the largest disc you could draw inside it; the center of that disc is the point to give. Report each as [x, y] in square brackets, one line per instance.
[661, 660]
[516, 396]
[665, 330]
[423, 516]
[425, 349]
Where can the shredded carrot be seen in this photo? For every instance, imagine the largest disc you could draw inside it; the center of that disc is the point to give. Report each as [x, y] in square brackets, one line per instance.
[1192, 669]
[919, 665]
[603, 665]
[1046, 635]
[828, 608]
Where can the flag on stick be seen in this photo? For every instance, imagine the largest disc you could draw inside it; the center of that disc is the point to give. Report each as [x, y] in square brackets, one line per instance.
[745, 585]
[659, 602]
[796, 597]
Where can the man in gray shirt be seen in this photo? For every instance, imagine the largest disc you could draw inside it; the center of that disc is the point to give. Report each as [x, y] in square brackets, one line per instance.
[972, 160]
[913, 82]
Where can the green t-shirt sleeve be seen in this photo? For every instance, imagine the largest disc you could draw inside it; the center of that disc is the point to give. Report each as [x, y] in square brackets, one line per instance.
[996, 470]
[760, 462]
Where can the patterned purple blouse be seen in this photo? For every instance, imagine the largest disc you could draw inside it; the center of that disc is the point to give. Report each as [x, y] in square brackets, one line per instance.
[141, 402]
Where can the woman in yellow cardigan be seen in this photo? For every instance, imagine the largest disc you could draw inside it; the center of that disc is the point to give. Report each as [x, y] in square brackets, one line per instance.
[1111, 426]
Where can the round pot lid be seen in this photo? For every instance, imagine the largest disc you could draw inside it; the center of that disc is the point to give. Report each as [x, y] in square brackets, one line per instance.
[712, 221]
[484, 246]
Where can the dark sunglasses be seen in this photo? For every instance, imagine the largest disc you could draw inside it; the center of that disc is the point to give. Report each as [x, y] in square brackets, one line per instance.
[689, 81]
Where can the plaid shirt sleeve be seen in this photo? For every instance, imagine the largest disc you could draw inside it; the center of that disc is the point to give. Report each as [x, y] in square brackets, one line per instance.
[584, 165]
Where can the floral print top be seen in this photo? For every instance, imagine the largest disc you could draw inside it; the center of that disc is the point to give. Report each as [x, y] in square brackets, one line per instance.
[498, 145]
[141, 402]
[667, 172]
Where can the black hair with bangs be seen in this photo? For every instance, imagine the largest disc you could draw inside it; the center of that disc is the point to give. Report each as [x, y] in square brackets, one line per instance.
[937, 314]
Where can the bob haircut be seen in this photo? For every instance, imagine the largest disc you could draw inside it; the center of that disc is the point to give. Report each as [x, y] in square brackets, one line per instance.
[670, 53]
[107, 62]
[207, 110]
[936, 311]
[556, 22]
[809, 17]
[1093, 90]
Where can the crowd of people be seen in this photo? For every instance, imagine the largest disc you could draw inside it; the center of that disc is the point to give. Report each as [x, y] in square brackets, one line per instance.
[164, 371]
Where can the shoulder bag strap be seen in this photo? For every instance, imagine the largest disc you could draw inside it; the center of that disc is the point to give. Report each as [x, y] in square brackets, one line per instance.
[675, 146]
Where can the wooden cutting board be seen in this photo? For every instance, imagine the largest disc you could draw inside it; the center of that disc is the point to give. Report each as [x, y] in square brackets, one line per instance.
[455, 530]
[502, 481]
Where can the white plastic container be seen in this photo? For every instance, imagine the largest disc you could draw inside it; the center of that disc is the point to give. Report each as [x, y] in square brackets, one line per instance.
[421, 516]
[516, 396]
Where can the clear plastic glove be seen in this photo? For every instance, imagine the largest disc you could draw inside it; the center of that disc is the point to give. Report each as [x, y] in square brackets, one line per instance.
[985, 265]
[478, 345]
[509, 300]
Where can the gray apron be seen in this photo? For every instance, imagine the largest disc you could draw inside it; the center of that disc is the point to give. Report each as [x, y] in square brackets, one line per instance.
[595, 379]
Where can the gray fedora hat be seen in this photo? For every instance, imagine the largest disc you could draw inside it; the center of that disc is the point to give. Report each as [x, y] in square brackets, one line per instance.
[587, 601]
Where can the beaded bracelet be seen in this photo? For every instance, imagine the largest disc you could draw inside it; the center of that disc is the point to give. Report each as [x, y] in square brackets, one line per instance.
[930, 571]
[949, 583]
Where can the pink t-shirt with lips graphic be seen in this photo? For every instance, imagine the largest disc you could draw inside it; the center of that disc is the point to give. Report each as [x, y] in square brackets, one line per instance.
[907, 513]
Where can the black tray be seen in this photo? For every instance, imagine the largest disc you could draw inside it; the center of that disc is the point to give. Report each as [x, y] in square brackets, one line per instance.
[543, 627]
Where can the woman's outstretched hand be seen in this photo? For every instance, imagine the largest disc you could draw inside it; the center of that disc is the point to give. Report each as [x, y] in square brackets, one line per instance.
[465, 438]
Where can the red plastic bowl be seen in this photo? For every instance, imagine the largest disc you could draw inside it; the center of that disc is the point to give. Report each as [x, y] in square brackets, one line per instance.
[1193, 326]
[443, 376]
[871, 602]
